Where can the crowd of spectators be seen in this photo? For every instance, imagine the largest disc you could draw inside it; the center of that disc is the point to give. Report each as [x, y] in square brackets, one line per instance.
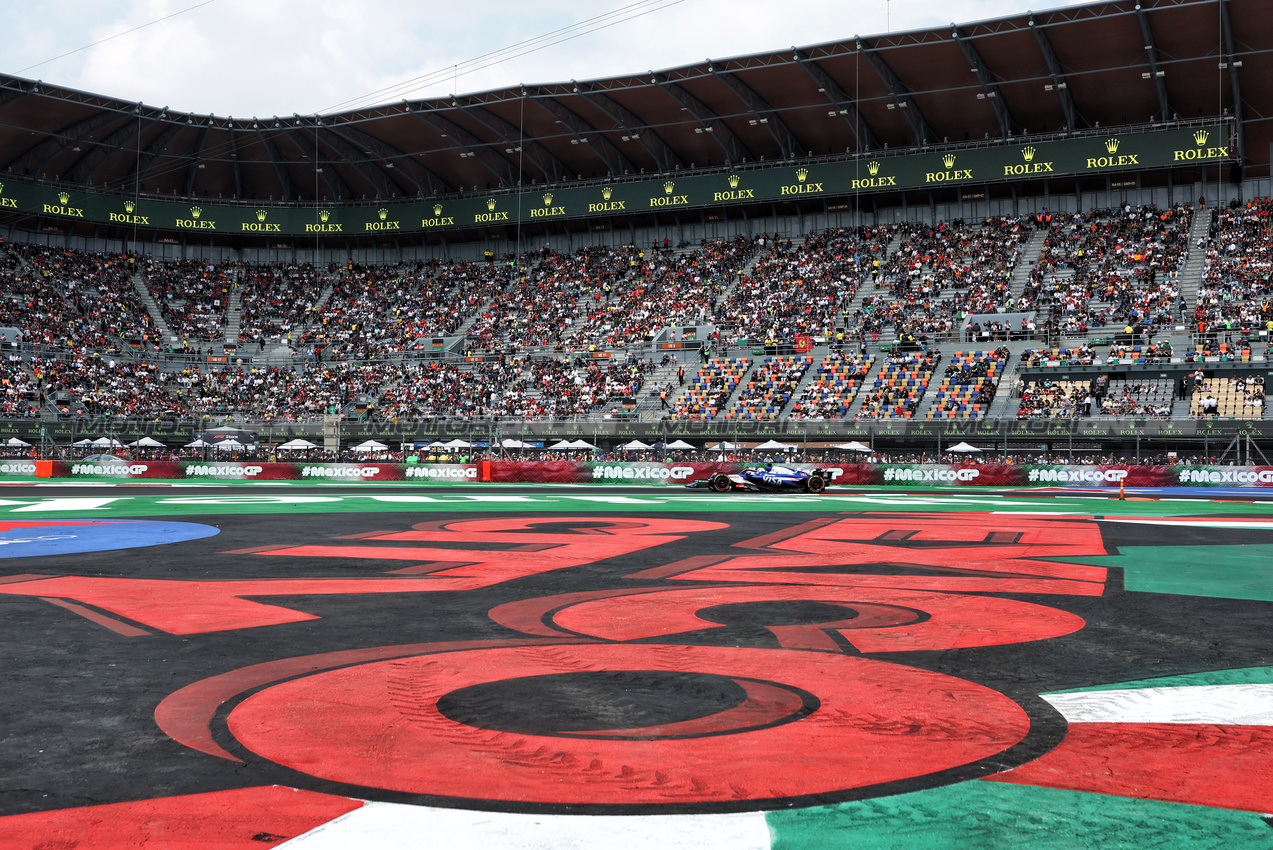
[193, 295]
[1235, 292]
[1048, 399]
[277, 300]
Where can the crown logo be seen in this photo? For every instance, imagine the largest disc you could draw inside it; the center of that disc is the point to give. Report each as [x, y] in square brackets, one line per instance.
[1111, 145]
[606, 193]
[437, 209]
[949, 159]
[63, 197]
[548, 198]
[261, 214]
[1200, 137]
[383, 213]
[196, 211]
[733, 181]
[323, 215]
[1, 187]
[129, 206]
[490, 203]
[802, 174]
[873, 167]
[668, 187]
[1027, 153]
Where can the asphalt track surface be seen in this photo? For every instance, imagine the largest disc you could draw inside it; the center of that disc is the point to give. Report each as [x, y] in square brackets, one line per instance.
[407, 665]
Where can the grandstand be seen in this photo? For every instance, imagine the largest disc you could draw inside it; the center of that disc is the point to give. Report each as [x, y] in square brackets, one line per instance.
[937, 256]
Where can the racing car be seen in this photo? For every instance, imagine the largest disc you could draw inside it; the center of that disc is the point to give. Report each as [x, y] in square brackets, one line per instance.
[768, 479]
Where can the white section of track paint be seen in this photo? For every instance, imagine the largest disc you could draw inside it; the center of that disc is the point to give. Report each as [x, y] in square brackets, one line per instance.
[401, 826]
[1229, 705]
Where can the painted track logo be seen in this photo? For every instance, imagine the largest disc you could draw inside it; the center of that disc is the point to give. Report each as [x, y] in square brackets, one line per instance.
[27, 538]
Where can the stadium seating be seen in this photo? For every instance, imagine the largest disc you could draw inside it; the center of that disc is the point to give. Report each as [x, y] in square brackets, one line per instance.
[769, 387]
[900, 386]
[833, 389]
[968, 385]
[706, 395]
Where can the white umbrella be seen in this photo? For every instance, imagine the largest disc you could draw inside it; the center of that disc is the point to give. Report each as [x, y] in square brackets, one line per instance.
[457, 444]
[107, 443]
[635, 445]
[854, 446]
[16, 443]
[298, 443]
[370, 446]
[963, 448]
[679, 444]
[771, 445]
[146, 443]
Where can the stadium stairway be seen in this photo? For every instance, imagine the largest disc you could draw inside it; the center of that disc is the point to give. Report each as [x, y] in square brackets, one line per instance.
[819, 353]
[234, 315]
[170, 339]
[1027, 259]
[1191, 273]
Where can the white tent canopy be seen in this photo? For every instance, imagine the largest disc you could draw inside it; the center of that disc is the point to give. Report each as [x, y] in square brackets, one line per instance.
[774, 445]
[370, 446]
[725, 446]
[107, 443]
[84, 442]
[298, 443]
[679, 444]
[197, 444]
[581, 444]
[854, 446]
[510, 443]
[561, 444]
[16, 443]
[457, 444]
[635, 445]
[146, 443]
[963, 448]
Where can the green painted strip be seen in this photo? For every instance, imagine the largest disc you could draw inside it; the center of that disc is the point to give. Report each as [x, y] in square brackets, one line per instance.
[120, 502]
[1224, 572]
[985, 815]
[1239, 676]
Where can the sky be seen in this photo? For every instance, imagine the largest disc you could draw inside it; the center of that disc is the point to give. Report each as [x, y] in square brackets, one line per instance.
[247, 58]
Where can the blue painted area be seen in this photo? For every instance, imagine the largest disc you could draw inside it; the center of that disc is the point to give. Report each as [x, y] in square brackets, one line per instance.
[28, 538]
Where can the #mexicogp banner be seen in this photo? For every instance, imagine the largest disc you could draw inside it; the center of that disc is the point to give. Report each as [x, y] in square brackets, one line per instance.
[973, 166]
[653, 474]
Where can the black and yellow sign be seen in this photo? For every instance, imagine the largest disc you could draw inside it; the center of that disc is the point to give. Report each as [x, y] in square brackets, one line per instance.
[1094, 154]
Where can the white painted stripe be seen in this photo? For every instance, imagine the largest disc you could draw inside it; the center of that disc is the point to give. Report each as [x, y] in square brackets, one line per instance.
[1230, 705]
[400, 826]
[1255, 524]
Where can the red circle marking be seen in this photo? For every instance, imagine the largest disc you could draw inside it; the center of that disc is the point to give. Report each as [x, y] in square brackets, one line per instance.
[377, 725]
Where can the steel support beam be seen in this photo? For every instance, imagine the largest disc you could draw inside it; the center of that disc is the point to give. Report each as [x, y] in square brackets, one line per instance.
[192, 170]
[864, 137]
[1156, 72]
[150, 155]
[389, 153]
[38, 157]
[286, 186]
[551, 169]
[613, 158]
[304, 137]
[788, 145]
[1232, 60]
[659, 150]
[708, 121]
[989, 87]
[1059, 84]
[501, 169]
[234, 160]
[901, 94]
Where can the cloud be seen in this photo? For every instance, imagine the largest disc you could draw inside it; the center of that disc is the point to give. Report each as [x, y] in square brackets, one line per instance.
[266, 57]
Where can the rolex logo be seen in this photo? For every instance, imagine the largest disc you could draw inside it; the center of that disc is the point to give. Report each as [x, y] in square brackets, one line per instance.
[1027, 153]
[548, 198]
[383, 213]
[195, 212]
[802, 174]
[949, 160]
[733, 181]
[1200, 137]
[129, 206]
[437, 209]
[323, 215]
[1111, 145]
[668, 187]
[1, 187]
[490, 203]
[873, 167]
[261, 214]
[606, 193]
[63, 196]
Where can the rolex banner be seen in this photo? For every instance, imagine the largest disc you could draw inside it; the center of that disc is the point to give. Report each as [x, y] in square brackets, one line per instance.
[972, 166]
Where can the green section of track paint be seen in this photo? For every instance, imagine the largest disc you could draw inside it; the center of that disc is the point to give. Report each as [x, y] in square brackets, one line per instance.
[1225, 572]
[990, 815]
[1239, 676]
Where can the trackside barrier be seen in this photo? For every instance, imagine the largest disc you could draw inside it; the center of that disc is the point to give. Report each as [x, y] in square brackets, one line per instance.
[649, 474]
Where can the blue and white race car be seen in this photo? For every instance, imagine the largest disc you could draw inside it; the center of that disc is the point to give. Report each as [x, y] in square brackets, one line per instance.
[768, 479]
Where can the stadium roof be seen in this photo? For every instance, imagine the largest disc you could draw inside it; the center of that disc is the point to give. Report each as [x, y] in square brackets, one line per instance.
[1064, 71]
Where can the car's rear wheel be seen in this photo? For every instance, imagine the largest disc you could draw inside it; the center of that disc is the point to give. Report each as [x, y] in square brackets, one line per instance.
[719, 483]
[815, 484]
